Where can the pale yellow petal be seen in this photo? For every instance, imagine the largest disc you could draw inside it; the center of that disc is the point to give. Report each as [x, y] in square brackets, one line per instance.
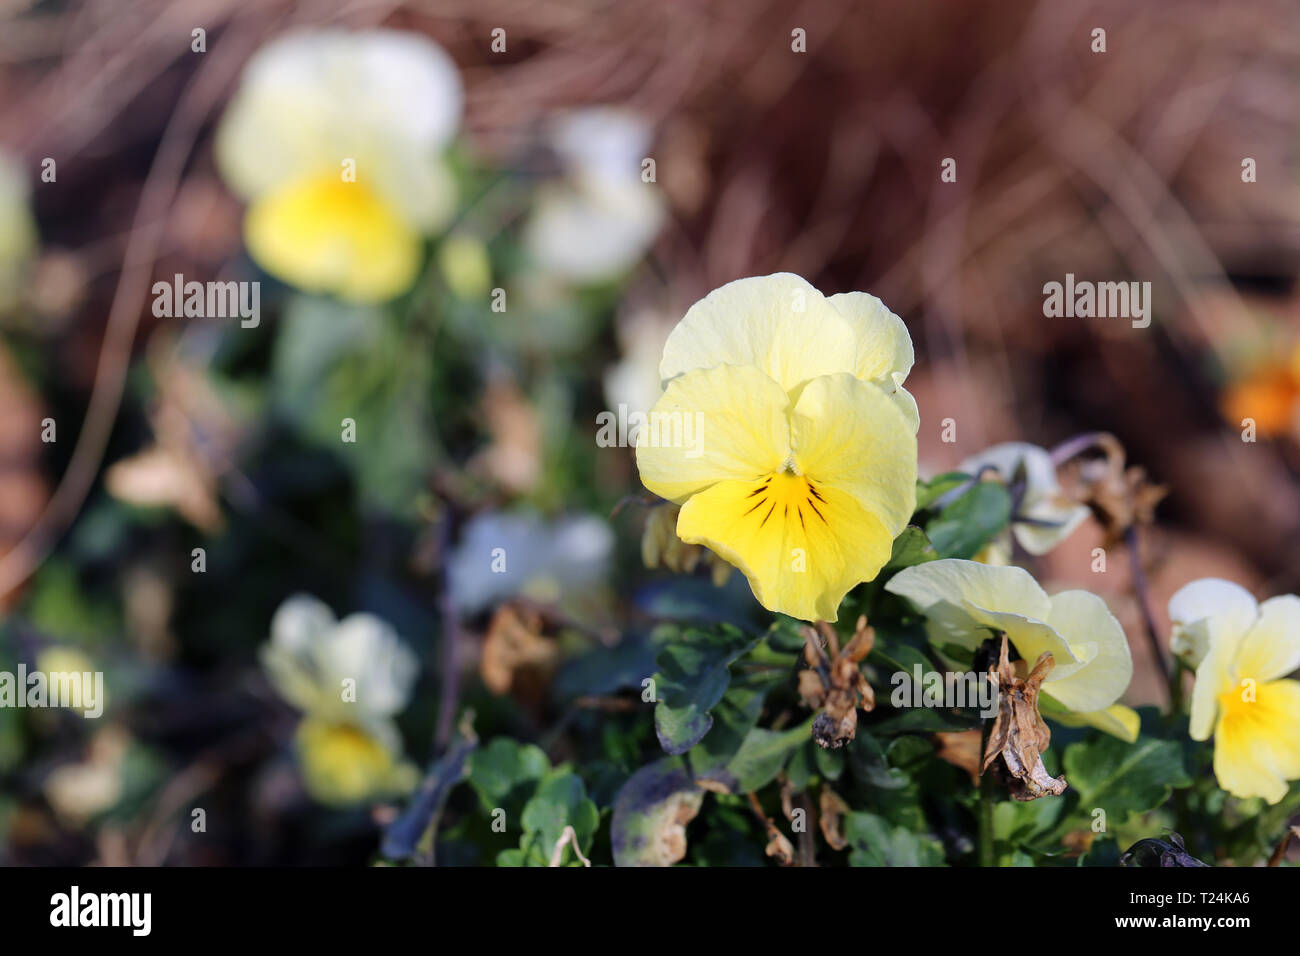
[711, 425]
[849, 434]
[328, 236]
[1271, 649]
[1116, 720]
[1206, 608]
[1030, 637]
[884, 345]
[950, 592]
[778, 323]
[801, 547]
[1213, 678]
[1096, 637]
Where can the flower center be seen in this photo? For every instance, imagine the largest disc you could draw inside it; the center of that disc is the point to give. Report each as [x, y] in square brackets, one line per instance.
[788, 495]
[1239, 703]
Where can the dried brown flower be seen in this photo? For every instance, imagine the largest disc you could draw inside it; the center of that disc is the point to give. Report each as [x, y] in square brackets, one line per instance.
[1120, 497]
[833, 810]
[1019, 736]
[835, 683]
[518, 658]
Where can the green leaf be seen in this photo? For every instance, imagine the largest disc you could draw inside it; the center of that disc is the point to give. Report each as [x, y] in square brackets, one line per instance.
[911, 548]
[927, 492]
[874, 843]
[650, 806]
[762, 756]
[869, 763]
[561, 801]
[733, 718]
[970, 522]
[334, 361]
[693, 676]
[499, 772]
[1123, 778]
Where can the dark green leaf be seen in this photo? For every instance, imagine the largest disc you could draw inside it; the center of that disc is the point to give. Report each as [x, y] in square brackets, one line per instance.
[874, 843]
[970, 522]
[693, 676]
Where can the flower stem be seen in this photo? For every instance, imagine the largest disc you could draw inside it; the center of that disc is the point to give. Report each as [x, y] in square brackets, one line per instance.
[1144, 604]
[987, 798]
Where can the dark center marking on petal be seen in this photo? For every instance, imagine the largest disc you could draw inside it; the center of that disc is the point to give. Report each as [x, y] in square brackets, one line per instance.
[768, 515]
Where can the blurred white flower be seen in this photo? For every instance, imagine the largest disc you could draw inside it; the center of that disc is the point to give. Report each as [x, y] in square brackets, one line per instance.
[1046, 517]
[311, 653]
[601, 217]
[634, 380]
[311, 104]
[18, 237]
[505, 555]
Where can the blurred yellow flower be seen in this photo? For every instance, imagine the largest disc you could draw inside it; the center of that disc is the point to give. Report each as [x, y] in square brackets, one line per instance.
[965, 602]
[344, 763]
[335, 139]
[350, 678]
[1242, 651]
[787, 438]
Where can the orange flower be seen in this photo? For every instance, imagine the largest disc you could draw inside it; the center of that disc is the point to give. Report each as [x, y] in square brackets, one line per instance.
[1270, 395]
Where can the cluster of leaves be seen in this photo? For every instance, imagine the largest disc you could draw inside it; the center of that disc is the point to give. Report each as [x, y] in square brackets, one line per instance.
[732, 760]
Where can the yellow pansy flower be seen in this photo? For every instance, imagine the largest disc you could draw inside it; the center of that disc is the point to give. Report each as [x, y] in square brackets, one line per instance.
[344, 763]
[964, 602]
[349, 678]
[786, 436]
[1242, 652]
[335, 139]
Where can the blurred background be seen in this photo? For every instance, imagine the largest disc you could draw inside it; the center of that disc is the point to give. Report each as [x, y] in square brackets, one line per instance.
[198, 507]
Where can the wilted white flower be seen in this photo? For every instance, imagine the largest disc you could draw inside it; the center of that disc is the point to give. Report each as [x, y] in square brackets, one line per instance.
[1046, 517]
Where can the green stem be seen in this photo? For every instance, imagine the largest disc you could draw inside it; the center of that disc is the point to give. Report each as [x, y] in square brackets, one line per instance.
[987, 798]
[1176, 689]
